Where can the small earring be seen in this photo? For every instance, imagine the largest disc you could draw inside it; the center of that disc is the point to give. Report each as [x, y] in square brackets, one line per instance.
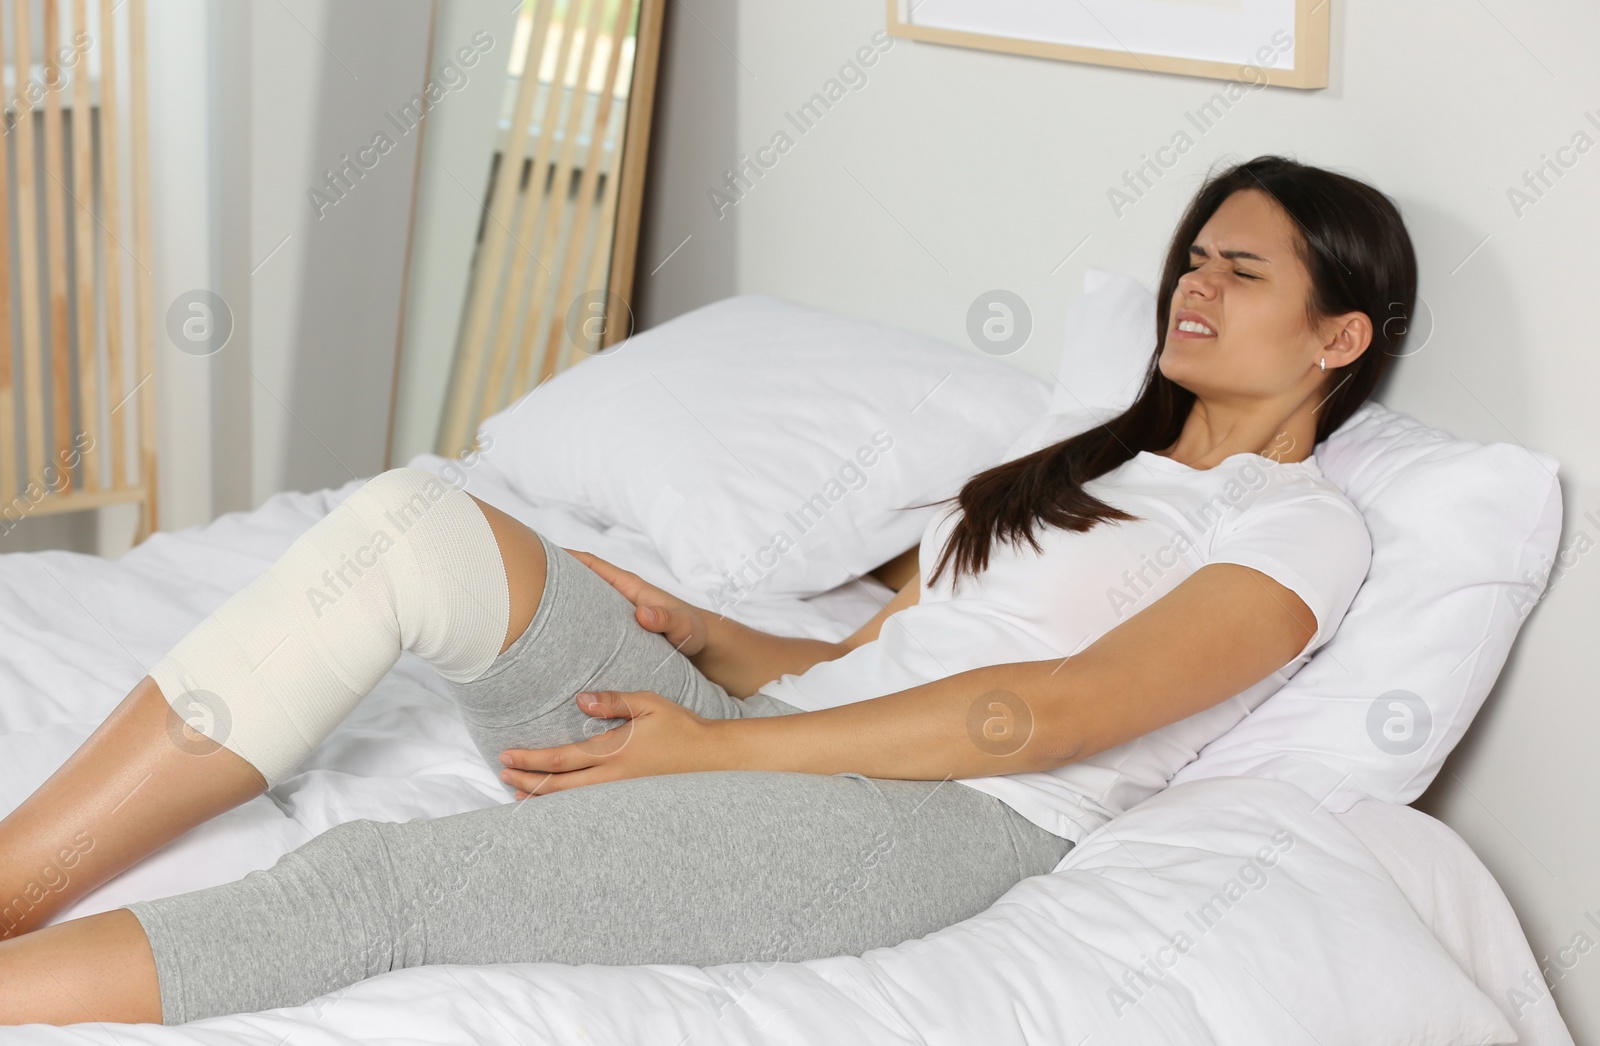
[1322, 364]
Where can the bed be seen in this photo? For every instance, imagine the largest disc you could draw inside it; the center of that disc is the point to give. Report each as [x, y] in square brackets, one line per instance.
[1233, 909]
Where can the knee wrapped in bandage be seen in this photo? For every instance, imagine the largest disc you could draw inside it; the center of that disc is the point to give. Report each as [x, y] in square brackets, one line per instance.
[406, 562]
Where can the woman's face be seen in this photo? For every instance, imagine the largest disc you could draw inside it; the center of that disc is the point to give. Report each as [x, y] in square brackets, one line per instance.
[1239, 327]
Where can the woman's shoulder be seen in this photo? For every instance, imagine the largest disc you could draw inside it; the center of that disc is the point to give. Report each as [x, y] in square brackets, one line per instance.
[1298, 493]
[1305, 480]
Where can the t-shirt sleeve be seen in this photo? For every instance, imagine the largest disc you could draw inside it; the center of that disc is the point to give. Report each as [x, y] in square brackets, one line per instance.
[1315, 544]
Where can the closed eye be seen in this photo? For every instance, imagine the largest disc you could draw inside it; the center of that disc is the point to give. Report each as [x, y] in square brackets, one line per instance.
[1236, 272]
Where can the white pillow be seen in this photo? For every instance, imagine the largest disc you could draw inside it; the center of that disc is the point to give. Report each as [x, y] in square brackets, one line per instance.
[1110, 333]
[1463, 535]
[765, 447]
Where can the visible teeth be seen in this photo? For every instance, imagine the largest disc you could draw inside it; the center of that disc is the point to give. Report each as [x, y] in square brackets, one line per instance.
[1194, 328]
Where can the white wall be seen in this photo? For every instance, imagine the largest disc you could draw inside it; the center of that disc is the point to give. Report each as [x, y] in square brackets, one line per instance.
[954, 171]
[326, 306]
[250, 105]
[686, 252]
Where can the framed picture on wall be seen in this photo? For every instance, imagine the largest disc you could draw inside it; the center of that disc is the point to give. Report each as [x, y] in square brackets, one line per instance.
[1281, 42]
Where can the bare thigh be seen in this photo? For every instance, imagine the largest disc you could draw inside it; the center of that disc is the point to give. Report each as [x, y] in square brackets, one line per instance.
[523, 555]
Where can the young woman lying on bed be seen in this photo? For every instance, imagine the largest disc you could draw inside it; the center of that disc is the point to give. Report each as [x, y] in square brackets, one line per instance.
[1070, 637]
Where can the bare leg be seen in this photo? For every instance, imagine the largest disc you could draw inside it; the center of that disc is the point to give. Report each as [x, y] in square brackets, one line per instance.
[143, 778]
[94, 969]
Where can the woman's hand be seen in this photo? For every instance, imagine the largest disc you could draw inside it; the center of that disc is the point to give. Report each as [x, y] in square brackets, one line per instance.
[660, 737]
[683, 624]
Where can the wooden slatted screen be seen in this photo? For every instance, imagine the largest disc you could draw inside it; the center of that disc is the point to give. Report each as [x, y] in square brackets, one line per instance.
[559, 226]
[63, 311]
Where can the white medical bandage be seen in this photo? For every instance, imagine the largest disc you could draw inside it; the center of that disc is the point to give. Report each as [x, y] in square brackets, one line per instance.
[406, 562]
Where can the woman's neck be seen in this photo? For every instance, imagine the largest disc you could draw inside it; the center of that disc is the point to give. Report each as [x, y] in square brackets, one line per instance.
[1211, 434]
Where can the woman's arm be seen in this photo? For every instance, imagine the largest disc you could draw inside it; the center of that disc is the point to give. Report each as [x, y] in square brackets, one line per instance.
[897, 571]
[1218, 632]
[739, 658]
[743, 659]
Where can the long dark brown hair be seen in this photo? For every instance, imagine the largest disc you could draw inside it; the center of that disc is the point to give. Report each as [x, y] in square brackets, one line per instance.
[1352, 241]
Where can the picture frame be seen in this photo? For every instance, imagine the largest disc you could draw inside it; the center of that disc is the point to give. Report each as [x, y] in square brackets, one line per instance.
[1283, 43]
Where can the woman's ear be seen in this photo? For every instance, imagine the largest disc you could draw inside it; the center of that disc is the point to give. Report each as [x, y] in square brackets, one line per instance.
[1346, 337]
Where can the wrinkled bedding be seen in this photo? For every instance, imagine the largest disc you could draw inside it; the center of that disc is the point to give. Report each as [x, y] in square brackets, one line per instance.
[1320, 941]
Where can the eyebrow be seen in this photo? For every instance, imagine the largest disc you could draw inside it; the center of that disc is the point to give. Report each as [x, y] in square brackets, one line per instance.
[1197, 249]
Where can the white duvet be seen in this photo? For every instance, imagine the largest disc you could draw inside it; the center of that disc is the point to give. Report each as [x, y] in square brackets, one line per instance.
[1224, 911]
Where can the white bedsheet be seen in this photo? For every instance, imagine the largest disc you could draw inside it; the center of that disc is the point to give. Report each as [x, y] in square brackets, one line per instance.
[77, 632]
[1459, 901]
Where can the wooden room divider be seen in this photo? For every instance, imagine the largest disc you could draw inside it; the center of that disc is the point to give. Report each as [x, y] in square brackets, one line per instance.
[68, 315]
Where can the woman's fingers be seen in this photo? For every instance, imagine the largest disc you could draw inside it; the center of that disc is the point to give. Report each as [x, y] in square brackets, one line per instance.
[519, 763]
[655, 610]
[614, 575]
[679, 625]
[633, 587]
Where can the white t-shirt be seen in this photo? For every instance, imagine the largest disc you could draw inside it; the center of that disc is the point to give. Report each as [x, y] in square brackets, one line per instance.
[1283, 519]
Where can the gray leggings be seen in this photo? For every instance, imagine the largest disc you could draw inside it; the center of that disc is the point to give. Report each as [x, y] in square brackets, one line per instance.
[701, 868]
